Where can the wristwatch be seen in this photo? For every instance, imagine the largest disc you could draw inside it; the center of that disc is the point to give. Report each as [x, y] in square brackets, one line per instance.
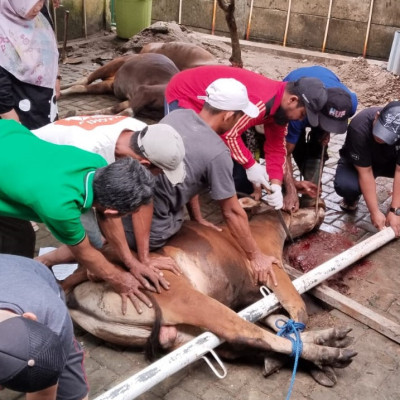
[396, 211]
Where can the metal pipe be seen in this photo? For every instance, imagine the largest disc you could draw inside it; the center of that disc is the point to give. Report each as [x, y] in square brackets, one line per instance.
[84, 18]
[287, 22]
[213, 17]
[196, 348]
[180, 12]
[249, 20]
[368, 28]
[327, 25]
[320, 169]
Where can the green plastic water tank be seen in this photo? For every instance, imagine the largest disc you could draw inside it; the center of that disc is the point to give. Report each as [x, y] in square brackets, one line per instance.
[131, 16]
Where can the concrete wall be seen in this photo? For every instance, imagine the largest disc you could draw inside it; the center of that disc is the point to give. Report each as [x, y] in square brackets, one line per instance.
[307, 24]
[97, 18]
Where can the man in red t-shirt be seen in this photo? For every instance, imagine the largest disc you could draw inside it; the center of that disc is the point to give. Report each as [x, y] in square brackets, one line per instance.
[278, 102]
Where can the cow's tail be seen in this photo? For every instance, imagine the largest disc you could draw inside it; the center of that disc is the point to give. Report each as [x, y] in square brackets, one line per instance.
[153, 346]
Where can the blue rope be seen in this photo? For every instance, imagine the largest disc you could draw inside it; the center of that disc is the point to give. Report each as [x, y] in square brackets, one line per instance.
[287, 330]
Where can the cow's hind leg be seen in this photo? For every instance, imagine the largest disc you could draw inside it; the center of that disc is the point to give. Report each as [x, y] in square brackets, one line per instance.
[103, 87]
[104, 73]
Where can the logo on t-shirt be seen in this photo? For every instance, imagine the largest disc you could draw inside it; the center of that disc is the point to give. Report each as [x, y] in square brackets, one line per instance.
[91, 122]
[355, 156]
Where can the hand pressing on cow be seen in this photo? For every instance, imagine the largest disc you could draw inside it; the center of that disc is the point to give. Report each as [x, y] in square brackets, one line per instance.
[262, 267]
[194, 211]
[150, 278]
[158, 262]
[128, 287]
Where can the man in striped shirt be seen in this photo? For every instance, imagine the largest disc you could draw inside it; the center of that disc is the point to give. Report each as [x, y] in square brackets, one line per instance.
[278, 102]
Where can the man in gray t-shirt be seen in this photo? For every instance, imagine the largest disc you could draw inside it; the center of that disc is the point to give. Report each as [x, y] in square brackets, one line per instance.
[208, 166]
[37, 347]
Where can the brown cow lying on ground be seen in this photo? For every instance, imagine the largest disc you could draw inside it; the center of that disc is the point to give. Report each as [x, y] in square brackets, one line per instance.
[140, 79]
[215, 277]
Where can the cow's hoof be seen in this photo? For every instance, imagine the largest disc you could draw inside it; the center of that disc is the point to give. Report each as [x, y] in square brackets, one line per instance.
[273, 363]
[325, 376]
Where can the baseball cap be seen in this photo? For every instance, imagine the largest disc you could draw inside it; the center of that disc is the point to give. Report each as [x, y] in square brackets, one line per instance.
[314, 95]
[387, 126]
[228, 94]
[162, 145]
[31, 355]
[336, 112]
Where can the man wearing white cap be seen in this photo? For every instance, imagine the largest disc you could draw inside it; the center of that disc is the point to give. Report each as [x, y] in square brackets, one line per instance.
[208, 167]
[158, 147]
[278, 102]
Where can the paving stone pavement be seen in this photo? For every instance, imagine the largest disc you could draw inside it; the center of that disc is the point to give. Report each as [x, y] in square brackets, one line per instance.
[374, 374]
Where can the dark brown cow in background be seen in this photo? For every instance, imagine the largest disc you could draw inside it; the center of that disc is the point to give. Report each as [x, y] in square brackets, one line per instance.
[140, 79]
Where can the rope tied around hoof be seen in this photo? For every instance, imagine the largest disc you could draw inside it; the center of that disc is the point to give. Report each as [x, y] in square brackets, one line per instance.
[288, 329]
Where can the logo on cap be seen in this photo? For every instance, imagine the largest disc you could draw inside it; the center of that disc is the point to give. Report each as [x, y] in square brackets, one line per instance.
[333, 112]
[392, 122]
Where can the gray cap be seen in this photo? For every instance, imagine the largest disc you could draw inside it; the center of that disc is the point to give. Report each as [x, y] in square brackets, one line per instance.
[163, 146]
[387, 127]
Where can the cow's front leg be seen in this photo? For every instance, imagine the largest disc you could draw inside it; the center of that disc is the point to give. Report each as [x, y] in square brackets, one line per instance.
[188, 306]
[333, 337]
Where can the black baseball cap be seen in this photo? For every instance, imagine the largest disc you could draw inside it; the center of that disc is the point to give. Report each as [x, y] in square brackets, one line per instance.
[31, 355]
[335, 114]
[314, 96]
[387, 126]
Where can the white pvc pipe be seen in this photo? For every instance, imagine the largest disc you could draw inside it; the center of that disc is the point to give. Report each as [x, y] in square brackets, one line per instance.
[196, 348]
[180, 12]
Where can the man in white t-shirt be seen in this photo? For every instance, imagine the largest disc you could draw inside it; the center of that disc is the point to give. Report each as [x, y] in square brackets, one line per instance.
[158, 147]
[114, 136]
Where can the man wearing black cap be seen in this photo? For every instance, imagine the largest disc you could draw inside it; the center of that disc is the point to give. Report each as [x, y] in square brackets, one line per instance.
[371, 149]
[39, 354]
[307, 149]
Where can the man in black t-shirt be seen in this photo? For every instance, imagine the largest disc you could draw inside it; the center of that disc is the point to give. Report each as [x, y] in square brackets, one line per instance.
[371, 149]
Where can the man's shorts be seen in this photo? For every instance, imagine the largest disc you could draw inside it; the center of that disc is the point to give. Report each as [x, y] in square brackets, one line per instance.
[73, 384]
[93, 232]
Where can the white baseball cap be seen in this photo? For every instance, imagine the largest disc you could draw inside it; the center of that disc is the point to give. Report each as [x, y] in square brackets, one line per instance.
[228, 94]
[162, 145]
